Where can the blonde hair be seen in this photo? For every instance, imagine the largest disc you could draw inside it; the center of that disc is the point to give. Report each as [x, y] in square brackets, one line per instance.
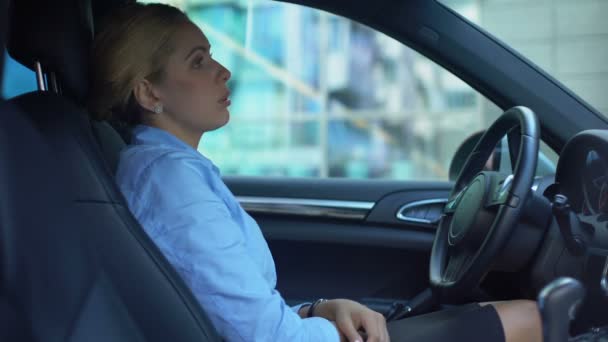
[134, 43]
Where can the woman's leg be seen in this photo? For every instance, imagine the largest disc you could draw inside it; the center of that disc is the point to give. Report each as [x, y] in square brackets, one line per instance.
[507, 321]
[466, 323]
[520, 320]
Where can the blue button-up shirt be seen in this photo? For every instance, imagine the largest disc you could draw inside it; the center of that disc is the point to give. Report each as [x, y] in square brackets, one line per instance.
[179, 198]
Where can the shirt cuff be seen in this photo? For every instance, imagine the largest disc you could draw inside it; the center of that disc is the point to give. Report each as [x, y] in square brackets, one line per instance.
[297, 308]
[326, 331]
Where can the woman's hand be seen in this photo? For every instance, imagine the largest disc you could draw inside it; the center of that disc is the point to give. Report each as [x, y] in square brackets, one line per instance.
[350, 316]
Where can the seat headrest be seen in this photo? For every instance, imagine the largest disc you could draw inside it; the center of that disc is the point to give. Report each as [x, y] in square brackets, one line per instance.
[3, 24]
[56, 33]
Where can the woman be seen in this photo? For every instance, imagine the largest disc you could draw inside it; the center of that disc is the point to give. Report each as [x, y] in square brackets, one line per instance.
[153, 68]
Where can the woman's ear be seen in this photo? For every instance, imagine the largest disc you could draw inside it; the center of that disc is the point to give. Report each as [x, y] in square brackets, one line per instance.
[145, 95]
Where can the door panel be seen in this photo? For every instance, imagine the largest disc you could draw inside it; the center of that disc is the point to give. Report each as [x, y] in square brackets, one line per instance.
[376, 276]
[337, 238]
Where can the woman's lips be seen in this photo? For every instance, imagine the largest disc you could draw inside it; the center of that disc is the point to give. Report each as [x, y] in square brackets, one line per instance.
[226, 100]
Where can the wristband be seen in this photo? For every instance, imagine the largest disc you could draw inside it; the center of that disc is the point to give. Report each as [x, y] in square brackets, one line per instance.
[311, 310]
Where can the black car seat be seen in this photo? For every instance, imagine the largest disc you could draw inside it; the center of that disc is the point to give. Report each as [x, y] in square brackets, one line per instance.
[74, 264]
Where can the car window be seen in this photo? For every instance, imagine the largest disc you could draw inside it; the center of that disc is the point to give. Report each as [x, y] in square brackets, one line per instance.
[567, 39]
[17, 79]
[318, 95]
[545, 166]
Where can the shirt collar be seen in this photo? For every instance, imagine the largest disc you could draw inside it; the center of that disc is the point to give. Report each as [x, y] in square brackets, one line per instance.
[148, 135]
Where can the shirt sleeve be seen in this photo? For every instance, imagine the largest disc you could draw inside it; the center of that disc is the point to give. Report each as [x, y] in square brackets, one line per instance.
[297, 308]
[207, 247]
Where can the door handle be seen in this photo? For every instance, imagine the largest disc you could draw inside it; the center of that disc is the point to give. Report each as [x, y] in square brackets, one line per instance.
[424, 211]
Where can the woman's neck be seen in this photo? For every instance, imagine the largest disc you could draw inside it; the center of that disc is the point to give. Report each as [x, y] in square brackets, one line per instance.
[190, 137]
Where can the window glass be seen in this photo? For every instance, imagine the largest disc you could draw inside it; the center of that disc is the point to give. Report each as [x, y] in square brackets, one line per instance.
[17, 79]
[545, 166]
[318, 95]
[568, 39]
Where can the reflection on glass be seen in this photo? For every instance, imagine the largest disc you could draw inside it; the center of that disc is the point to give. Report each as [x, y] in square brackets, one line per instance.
[595, 185]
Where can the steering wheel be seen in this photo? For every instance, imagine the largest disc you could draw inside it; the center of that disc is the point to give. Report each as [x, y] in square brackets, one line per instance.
[483, 208]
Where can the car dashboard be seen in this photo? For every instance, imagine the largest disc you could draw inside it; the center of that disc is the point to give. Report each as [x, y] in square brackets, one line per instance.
[582, 178]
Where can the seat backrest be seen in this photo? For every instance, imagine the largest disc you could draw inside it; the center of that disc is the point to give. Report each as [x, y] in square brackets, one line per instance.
[3, 28]
[110, 142]
[74, 263]
[13, 325]
[77, 263]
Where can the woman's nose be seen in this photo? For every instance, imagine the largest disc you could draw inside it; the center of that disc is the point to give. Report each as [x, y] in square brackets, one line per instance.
[225, 74]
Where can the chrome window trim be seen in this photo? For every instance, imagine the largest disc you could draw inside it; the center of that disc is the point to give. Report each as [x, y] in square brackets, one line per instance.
[40, 76]
[355, 210]
[410, 205]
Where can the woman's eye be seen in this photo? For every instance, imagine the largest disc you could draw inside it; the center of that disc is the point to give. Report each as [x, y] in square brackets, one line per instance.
[198, 62]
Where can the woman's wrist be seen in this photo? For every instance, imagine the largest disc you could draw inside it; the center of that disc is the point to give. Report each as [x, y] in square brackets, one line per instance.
[322, 308]
[327, 309]
[303, 310]
[313, 307]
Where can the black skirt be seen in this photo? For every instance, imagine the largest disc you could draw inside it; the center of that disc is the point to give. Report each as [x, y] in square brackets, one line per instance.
[468, 323]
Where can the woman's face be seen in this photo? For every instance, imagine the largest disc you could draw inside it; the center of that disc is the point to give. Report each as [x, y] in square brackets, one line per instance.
[193, 91]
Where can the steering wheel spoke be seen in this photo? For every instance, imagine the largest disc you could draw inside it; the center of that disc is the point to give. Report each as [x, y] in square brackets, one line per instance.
[500, 190]
[456, 265]
[452, 204]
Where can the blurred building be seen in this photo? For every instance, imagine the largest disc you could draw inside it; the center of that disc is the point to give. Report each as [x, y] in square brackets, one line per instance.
[568, 39]
[319, 95]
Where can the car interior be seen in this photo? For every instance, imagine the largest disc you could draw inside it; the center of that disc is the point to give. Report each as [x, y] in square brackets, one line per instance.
[77, 266]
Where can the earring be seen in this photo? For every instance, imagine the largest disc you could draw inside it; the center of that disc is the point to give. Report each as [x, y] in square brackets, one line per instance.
[158, 108]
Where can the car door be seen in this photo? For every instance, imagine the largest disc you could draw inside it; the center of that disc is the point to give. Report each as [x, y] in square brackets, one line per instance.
[340, 238]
